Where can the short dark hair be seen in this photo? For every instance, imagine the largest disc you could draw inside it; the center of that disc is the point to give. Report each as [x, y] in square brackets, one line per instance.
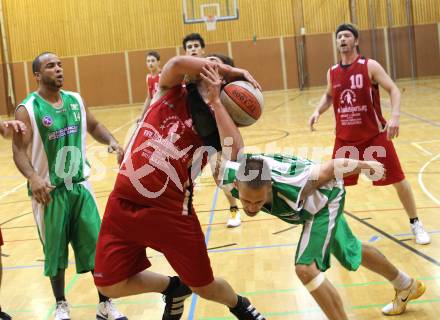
[247, 169]
[154, 54]
[225, 59]
[348, 27]
[193, 37]
[36, 64]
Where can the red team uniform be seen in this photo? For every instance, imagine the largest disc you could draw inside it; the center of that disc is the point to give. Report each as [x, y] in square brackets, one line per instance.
[152, 84]
[151, 204]
[359, 121]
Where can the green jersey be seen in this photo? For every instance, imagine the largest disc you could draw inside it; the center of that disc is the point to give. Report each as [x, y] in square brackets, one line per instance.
[59, 134]
[289, 176]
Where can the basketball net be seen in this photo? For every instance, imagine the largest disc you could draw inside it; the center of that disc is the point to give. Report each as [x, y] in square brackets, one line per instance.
[210, 22]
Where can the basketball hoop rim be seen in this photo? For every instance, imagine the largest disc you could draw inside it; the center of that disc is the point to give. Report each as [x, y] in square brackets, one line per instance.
[210, 19]
[210, 22]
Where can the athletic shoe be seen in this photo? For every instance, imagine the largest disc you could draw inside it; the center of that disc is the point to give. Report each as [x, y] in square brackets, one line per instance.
[245, 310]
[107, 311]
[5, 316]
[234, 220]
[174, 302]
[422, 237]
[62, 311]
[402, 297]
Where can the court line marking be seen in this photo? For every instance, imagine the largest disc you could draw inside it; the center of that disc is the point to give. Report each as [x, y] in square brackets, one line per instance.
[318, 310]
[223, 246]
[16, 217]
[125, 301]
[282, 245]
[427, 141]
[194, 297]
[395, 240]
[285, 229]
[418, 146]
[422, 184]
[414, 116]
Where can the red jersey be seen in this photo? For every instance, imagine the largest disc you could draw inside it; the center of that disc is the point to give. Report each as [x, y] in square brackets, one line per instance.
[356, 102]
[158, 169]
[153, 84]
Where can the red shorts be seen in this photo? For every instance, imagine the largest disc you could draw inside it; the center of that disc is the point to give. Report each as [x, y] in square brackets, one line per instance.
[378, 148]
[128, 229]
[1, 238]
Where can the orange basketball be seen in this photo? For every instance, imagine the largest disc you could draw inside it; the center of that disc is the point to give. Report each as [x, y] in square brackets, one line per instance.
[243, 102]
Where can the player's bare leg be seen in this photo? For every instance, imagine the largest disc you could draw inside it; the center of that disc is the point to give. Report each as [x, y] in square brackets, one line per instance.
[322, 291]
[176, 292]
[145, 281]
[406, 197]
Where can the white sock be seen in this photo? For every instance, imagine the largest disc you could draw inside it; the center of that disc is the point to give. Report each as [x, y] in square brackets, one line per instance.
[402, 281]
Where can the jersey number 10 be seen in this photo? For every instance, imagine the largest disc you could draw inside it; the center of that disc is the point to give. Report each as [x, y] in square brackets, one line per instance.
[357, 81]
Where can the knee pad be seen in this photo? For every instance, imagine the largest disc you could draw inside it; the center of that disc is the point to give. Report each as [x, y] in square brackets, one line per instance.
[315, 283]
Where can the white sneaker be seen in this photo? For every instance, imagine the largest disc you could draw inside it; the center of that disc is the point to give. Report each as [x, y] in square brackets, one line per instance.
[422, 237]
[402, 297]
[107, 311]
[62, 311]
[234, 220]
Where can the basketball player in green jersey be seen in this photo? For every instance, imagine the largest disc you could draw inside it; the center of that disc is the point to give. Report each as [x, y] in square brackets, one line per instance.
[301, 192]
[7, 129]
[194, 45]
[52, 157]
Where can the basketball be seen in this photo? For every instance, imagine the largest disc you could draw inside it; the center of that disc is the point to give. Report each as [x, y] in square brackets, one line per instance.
[243, 102]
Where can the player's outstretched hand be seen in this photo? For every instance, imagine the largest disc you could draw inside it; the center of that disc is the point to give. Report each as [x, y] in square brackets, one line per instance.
[375, 170]
[242, 74]
[313, 120]
[211, 76]
[11, 126]
[249, 78]
[114, 147]
[392, 128]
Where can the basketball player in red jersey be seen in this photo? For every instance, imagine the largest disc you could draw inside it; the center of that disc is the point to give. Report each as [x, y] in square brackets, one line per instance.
[361, 130]
[153, 65]
[151, 204]
[7, 129]
[194, 45]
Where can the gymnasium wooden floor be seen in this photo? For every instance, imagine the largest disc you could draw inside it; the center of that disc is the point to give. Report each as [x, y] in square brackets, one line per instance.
[256, 258]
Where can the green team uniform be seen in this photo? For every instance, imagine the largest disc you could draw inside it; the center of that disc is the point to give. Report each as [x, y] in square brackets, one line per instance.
[57, 155]
[325, 229]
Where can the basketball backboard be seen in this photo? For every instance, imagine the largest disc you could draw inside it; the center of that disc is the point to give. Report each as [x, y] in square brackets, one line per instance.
[197, 11]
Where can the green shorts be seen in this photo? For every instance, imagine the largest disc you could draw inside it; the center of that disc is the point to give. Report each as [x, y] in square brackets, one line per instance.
[328, 232]
[70, 217]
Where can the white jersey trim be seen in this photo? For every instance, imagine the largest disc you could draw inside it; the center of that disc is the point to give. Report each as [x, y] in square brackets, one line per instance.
[333, 208]
[36, 153]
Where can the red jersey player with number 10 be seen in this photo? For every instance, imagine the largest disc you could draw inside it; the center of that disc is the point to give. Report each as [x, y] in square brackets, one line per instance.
[361, 131]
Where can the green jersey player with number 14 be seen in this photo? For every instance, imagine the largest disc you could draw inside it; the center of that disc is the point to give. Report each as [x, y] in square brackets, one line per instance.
[52, 157]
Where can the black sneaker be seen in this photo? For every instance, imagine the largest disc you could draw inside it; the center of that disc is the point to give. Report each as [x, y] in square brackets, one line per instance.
[4, 316]
[245, 310]
[174, 302]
